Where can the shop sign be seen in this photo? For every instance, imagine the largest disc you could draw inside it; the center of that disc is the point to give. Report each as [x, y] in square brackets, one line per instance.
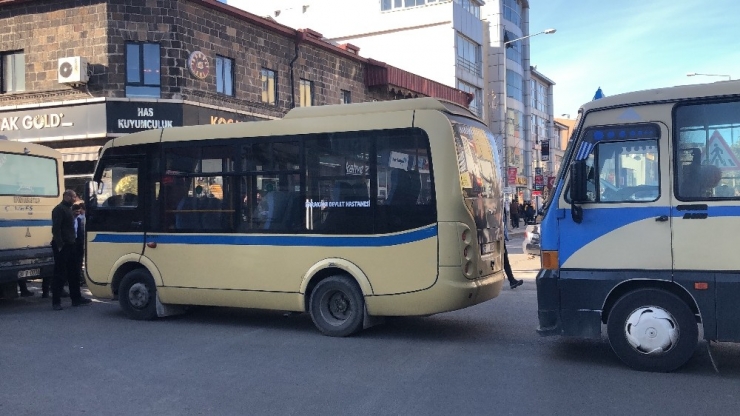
[130, 117]
[53, 122]
[194, 115]
[511, 176]
[199, 65]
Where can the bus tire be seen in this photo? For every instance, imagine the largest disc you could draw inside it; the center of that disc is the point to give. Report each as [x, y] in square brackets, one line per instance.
[652, 330]
[137, 295]
[337, 306]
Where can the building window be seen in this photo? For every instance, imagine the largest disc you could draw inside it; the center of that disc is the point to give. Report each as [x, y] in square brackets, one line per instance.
[269, 87]
[13, 71]
[513, 12]
[469, 55]
[403, 4]
[224, 75]
[471, 6]
[306, 93]
[346, 97]
[143, 70]
[513, 49]
[539, 96]
[514, 85]
[476, 106]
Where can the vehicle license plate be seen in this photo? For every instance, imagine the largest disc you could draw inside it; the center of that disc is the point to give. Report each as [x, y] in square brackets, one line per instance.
[29, 273]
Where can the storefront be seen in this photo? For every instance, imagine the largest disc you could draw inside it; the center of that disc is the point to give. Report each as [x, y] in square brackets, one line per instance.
[80, 128]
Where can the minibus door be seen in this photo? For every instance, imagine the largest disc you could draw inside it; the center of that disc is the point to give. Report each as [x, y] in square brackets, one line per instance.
[704, 242]
[114, 220]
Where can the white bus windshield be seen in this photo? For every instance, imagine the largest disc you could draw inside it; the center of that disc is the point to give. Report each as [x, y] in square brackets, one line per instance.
[28, 175]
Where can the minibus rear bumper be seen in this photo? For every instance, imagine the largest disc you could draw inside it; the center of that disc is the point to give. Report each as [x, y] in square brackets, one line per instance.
[26, 263]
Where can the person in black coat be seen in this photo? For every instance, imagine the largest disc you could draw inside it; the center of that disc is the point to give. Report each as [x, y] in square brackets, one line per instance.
[64, 246]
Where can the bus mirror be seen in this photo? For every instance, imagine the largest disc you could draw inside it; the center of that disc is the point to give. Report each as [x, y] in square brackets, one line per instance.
[578, 181]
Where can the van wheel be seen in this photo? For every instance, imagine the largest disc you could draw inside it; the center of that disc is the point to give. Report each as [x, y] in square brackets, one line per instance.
[137, 295]
[652, 330]
[337, 306]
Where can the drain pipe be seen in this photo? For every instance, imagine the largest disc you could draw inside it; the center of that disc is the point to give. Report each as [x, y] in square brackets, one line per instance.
[298, 39]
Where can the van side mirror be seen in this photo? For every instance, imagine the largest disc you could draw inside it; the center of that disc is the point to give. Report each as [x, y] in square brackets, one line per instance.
[578, 189]
[578, 181]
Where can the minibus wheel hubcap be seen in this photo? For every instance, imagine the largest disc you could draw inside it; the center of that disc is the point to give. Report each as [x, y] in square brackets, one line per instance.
[138, 295]
[651, 330]
[338, 306]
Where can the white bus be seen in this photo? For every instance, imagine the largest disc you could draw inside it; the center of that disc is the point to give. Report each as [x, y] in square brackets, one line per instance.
[31, 181]
[346, 212]
[640, 231]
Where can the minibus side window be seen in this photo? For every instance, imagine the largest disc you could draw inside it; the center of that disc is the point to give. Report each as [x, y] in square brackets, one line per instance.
[707, 162]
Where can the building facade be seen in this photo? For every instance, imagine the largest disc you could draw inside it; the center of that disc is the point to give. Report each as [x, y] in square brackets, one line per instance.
[78, 73]
[481, 47]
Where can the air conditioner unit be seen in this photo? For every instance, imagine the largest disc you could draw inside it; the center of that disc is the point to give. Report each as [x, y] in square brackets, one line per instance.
[72, 70]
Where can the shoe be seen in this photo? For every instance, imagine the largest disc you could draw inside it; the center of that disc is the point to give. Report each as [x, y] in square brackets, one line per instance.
[27, 294]
[81, 302]
[64, 294]
[516, 283]
[57, 307]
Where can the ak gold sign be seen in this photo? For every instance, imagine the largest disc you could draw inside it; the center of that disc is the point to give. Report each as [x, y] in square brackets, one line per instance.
[37, 121]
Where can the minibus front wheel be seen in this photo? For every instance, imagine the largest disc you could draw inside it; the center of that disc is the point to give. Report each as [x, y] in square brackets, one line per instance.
[137, 295]
[337, 306]
[652, 330]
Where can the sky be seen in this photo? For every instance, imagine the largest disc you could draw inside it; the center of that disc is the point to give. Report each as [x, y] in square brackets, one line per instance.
[631, 45]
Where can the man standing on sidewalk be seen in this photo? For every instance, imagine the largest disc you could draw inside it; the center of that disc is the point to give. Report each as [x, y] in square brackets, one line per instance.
[63, 244]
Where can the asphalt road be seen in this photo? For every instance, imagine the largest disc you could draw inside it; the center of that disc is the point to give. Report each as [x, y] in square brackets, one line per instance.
[484, 360]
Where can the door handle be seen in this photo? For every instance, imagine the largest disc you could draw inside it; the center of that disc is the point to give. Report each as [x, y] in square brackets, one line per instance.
[662, 218]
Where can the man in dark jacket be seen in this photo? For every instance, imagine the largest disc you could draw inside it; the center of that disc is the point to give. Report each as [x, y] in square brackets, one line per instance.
[63, 243]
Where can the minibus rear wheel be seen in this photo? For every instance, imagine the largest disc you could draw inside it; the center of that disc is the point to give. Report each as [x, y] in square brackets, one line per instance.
[652, 330]
[137, 295]
[337, 306]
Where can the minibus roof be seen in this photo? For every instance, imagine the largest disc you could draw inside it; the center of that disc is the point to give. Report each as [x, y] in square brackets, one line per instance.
[681, 92]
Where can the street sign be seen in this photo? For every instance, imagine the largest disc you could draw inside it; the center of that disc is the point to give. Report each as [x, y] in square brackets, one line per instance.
[550, 182]
[719, 153]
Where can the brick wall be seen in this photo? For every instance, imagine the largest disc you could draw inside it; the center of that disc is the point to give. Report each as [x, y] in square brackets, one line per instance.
[98, 30]
[47, 31]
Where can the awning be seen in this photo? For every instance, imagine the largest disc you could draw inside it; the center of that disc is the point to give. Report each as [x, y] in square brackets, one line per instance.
[80, 154]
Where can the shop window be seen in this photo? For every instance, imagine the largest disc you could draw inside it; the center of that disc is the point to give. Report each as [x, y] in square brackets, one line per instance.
[143, 70]
[306, 93]
[12, 71]
[269, 86]
[224, 75]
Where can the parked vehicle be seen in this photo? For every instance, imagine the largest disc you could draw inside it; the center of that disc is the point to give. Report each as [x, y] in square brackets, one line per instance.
[531, 244]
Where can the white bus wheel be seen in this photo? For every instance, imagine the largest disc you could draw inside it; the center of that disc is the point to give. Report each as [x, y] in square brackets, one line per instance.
[337, 306]
[137, 295]
[652, 330]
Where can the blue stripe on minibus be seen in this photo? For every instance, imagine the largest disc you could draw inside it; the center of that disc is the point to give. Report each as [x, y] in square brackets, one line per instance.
[25, 223]
[273, 240]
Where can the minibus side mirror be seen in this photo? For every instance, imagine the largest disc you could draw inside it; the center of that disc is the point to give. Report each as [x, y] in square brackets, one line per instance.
[578, 189]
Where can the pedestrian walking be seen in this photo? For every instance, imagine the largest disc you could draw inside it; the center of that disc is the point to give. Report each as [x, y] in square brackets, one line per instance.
[513, 282]
[63, 244]
[514, 212]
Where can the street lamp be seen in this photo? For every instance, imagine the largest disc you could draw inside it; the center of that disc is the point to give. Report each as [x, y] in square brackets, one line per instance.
[505, 97]
[693, 74]
[545, 32]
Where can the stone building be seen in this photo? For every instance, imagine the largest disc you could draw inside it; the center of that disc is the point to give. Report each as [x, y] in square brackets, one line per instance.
[76, 73]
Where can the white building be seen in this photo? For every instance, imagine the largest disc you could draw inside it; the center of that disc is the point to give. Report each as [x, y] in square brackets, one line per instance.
[460, 43]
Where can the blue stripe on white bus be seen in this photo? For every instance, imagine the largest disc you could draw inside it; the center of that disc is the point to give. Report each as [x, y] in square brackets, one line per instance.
[25, 223]
[273, 240]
